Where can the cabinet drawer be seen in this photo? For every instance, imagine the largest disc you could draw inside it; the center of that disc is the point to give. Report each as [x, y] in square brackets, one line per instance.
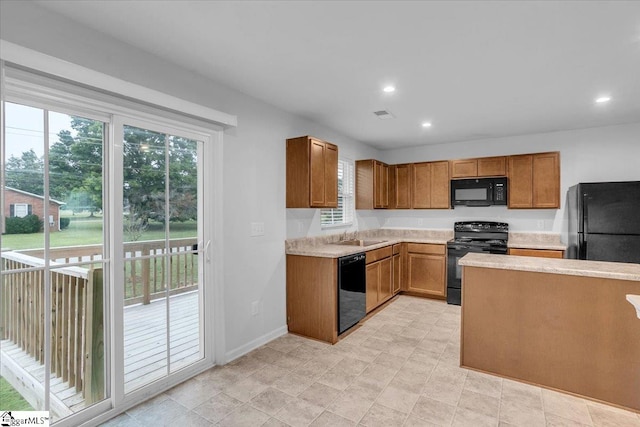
[426, 248]
[377, 254]
[542, 253]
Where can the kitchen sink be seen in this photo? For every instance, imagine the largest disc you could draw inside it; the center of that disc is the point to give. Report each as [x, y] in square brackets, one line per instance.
[356, 242]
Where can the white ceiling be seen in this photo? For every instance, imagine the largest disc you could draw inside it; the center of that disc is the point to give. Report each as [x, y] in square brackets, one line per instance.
[474, 69]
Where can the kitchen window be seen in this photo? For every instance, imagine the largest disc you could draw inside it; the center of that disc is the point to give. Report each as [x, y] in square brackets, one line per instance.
[343, 214]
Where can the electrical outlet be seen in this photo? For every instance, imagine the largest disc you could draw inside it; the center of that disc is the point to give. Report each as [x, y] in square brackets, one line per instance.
[257, 229]
[541, 224]
[419, 221]
[255, 307]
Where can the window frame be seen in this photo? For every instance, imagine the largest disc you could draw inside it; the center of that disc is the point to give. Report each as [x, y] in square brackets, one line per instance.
[346, 194]
[15, 208]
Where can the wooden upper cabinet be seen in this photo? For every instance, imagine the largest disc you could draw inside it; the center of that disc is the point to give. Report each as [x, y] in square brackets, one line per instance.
[480, 167]
[381, 185]
[430, 185]
[492, 166]
[440, 193]
[520, 189]
[312, 173]
[467, 168]
[400, 186]
[372, 184]
[534, 181]
[421, 185]
[546, 180]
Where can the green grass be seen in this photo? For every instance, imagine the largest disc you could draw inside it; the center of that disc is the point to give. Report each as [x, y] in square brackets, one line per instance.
[10, 399]
[88, 231]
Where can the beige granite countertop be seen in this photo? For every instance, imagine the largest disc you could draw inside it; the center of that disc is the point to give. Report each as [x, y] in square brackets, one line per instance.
[536, 241]
[327, 247]
[572, 267]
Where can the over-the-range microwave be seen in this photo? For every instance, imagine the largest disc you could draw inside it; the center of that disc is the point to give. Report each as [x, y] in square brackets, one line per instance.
[478, 192]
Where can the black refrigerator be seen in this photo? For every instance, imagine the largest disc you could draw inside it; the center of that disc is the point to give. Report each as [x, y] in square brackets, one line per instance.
[604, 221]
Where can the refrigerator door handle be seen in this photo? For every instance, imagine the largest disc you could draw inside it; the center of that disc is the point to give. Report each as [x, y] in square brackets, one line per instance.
[582, 246]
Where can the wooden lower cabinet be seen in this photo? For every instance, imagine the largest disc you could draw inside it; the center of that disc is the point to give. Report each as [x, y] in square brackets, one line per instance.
[426, 270]
[379, 283]
[312, 300]
[542, 253]
[379, 276]
[397, 268]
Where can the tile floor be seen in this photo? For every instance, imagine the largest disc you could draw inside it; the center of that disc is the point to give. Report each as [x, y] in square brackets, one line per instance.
[399, 369]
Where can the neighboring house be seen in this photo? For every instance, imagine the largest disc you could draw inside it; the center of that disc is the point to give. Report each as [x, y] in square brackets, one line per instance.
[18, 203]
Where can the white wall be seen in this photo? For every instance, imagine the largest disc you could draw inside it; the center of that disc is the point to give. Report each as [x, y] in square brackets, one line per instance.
[254, 160]
[609, 153]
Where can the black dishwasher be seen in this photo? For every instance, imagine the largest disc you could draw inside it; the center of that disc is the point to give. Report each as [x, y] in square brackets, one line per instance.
[352, 287]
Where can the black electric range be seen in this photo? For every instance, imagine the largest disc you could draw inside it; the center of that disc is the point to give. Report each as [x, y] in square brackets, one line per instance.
[472, 236]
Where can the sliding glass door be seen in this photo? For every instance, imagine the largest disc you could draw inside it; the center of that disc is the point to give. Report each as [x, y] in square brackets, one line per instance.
[162, 230]
[54, 270]
[101, 269]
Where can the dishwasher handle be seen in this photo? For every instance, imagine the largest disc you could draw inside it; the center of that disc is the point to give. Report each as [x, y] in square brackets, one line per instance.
[351, 259]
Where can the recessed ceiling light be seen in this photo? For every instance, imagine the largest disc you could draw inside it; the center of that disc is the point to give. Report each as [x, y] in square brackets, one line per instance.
[389, 89]
[426, 124]
[603, 99]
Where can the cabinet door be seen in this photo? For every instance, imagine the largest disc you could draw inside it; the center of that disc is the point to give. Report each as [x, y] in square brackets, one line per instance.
[440, 183]
[397, 273]
[546, 180]
[421, 185]
[373, 283]
[492, 166]
[381, 185]
[365, 175]
[317, 161]
[331, 176]
[520, 181]
[401, 186]
[467, 168]
[386, 280]
[426, 274]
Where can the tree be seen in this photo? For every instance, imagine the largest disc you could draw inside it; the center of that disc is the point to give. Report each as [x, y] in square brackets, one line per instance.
[75, 165]
[25, 173]
[145, 160]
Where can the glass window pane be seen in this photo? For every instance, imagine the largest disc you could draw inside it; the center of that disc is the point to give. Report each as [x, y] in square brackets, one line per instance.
[146, 268]
[24, 177]
[184, 327]
[76, 188]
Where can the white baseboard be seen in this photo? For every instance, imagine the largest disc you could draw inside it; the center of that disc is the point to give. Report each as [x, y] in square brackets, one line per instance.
[252, 345]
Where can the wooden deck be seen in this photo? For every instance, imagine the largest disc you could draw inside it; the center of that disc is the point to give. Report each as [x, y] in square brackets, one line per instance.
[145, 336]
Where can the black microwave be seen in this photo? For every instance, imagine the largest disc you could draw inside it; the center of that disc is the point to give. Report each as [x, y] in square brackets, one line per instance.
[478, 192]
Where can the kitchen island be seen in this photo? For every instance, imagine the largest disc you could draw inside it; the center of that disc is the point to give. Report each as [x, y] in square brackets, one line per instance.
[557, 323]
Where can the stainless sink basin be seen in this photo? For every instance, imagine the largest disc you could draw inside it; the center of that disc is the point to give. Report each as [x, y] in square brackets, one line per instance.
[360, 242]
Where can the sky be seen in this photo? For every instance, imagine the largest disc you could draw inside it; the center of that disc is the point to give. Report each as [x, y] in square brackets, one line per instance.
[24, 129]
